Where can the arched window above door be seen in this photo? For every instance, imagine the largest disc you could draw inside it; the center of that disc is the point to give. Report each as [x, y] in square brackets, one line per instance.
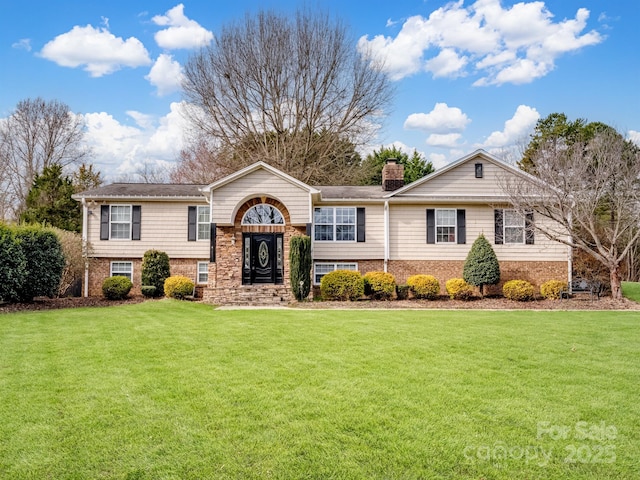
[263, 214]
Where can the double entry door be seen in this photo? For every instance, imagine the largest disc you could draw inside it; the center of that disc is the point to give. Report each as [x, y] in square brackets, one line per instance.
[262, 258]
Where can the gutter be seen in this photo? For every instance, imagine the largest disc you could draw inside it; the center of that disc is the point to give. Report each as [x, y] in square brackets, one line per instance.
[386, 235]
[85, 222]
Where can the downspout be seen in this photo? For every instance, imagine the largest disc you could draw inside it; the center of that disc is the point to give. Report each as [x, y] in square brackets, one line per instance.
[386, 235]
[85, 254]
[570, 256]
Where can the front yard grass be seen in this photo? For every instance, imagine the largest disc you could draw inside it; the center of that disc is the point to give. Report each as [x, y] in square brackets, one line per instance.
[631, 290]
[177, 390]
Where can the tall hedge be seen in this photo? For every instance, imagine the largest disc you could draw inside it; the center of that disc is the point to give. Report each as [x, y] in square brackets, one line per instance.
[481, 266]
[300, 266]
[44, 262]
[13, 266]
[155, 270]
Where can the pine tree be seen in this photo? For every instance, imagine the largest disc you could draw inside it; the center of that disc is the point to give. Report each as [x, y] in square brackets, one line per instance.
[481, 266]
[300, 265]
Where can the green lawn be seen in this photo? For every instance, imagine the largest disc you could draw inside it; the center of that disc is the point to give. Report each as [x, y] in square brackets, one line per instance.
[631, 290]
[177, 390]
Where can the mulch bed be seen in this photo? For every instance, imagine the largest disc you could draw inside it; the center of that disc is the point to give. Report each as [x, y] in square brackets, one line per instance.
[579, 302]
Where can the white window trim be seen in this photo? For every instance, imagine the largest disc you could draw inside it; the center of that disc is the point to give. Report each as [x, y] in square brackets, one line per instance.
[130, 221]
[335, 267]
[198, 273]
[119, 273]
[198, 223]
[455, 225]
[267, 204]
[505, 226]
[335, 224]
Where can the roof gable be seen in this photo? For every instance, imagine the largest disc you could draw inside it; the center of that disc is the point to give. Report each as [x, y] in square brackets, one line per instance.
[458, 178]
[253, 168]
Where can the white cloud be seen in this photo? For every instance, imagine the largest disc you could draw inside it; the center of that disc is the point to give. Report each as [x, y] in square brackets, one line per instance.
[438, 160]
[97, 49]
[442, 119]
[165, 75]
[22, 44]
[444, 140]
[182, 32]
[634, 137]
[515, 129]
[120, 149]
[516, 44]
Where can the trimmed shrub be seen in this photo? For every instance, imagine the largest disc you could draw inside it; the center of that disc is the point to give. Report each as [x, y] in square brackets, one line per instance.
[552, 289]
[155, 270]
[13, 266]
[424, 286]
[342, 285]
[148, 291]
[178, 287]
[45, 262]
[458, 289]
[116, 288]
[481, 266]
[519, 290]
[300, 266]
[379, 285]
[402, 292]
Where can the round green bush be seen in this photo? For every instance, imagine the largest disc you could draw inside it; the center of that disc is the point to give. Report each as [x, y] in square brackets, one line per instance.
[342, 285]
[519, 290]
[552, 289]
[178, 286]
[458, 289]
[116, 288]
[148, 291]
[402, 292]
[424, 286]
[379, 285]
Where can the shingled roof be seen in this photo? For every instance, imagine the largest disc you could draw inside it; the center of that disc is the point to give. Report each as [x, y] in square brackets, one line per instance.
[143, 190]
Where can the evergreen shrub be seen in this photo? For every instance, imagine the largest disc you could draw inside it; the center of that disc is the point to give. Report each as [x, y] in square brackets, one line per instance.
[519, 290]
[300, 266]
[178, 287]
[481, 266]
[424, 286]
[458, 289]
[13, 265]
[116, 288]
[155, 270]
[552, 289]
[379, 285]
[342, 285]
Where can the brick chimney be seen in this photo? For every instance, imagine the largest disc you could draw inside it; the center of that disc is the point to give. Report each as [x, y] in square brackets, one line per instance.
[392, 175]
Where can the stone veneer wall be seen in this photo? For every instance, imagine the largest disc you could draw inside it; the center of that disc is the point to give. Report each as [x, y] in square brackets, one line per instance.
[101, 267]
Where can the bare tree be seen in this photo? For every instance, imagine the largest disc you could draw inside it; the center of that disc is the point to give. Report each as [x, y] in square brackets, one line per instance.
[36, 135]
[589, 195]
[292, 91]
[198, 164]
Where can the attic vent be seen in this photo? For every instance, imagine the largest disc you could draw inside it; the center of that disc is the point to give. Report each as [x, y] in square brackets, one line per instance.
[478, 170]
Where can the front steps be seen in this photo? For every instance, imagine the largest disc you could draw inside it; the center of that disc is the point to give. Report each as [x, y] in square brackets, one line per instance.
[250, 295]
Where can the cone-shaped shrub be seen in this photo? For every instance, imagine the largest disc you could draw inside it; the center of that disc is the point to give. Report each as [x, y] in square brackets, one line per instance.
[300, 266]
[481, 266]
[155, 270]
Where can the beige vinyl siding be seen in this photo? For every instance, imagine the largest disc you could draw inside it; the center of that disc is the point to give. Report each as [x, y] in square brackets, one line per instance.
[462, 181]
[371, 248]
[163, 227]
[408, 237]
[228, 198]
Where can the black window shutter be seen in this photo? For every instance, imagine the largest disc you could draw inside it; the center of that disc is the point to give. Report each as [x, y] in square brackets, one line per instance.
[361, 224]
[212, 245]
[309, 229]
[192, 233]
[104, 222]
[136, 217]
[462, 226]
[431, 225]
[529, 237]
[499, 223]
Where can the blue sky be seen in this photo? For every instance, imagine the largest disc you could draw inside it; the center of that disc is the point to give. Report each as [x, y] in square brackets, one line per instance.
[468, 74]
